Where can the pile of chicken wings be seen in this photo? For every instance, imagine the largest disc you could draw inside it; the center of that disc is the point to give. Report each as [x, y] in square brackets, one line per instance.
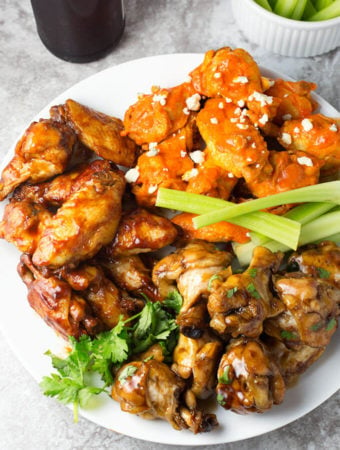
[82, 188]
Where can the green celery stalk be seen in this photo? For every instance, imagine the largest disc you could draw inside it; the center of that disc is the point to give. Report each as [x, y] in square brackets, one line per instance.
[325, 227]
[309, 10]
[303, 214]
[321, 4]
[299, 10]
[332, 11]
[265, 4]
[324, 192]
[285, 8]
[274, 227]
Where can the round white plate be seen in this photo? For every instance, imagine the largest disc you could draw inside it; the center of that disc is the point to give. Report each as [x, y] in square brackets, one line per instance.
[111, 92]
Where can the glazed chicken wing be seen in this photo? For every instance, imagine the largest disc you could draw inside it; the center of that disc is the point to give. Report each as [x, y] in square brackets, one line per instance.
[248, 379]
[57, 304]
[43, 151]
[239, 305]
[152, 390]
[154, 117]
[86, 221]
[197, 359]
[140, 231]
[99, 132]
[229, 73]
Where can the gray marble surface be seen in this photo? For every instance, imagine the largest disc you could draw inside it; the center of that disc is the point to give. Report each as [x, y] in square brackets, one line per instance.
[29, 77]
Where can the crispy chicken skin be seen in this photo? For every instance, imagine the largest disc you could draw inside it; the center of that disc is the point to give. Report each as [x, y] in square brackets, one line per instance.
[229, 73]
[98, 131]
[154, 117]
[57, 304]
[233, 142]
[130, 274]
[86, 221]
[197, 359]
[316, 135]
[152, 390]
[295, 97]
[248, 379]
[217, 232]
[140, 231]
[311, 308]
[43, 151]
[239, 305]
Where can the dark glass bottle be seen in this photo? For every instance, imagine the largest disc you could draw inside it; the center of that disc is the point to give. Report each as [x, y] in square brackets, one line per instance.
[79, 30]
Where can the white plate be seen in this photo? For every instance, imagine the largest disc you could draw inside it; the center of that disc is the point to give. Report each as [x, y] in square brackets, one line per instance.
[112, 91]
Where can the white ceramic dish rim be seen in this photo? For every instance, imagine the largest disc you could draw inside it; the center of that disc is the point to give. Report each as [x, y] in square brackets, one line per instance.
[165, 70]
[290, 23]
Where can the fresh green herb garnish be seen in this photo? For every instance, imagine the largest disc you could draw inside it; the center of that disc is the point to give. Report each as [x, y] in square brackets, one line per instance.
[253, 291]
[108, 350]
[127, 372]
[224, 378]
[323, 273]
[231, 292]
[285, 334]
[212, 278]
[174, 300]
[252, 272]
[220, 399]
[331, 324]
[317, 326]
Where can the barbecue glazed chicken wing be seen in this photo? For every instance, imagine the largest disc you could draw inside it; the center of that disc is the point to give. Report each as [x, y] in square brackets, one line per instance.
[197, 360]
[43, 151]
[97, 131]
[239, 305]
[152, 390]
[154, 117]
[248, 379]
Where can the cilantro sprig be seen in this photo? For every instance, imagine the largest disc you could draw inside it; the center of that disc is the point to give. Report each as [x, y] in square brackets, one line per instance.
[73, 380]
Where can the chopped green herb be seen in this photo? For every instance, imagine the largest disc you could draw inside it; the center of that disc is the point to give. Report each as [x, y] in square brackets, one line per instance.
[220, 399]
[331, 324]
[253, 291]
[127, 372]
[317, 326]
[285, 334]
[231, 292]
[252, 272]
[174, 300]
[224, 378]
[323, 273]
[212, 278]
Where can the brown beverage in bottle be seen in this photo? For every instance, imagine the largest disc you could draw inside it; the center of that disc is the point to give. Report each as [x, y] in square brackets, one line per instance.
[79, 30]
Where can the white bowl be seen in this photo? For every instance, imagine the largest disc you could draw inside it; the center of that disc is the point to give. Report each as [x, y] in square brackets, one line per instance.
[285, 36]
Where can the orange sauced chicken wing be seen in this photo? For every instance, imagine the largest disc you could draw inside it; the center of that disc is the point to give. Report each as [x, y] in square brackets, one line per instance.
[155, 116]
[232, 74]
[217, 232]
[98, 131]
[43, 151]
[295, 97]
[233, 143]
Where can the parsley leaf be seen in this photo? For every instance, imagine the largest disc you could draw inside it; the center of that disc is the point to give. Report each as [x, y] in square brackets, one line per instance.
[331, 324]
[174, 300]
[231, 292]
[252, 272]
[285, 334]
[253, 291]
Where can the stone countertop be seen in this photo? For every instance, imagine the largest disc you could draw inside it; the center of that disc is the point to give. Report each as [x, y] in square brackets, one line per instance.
[29, 78]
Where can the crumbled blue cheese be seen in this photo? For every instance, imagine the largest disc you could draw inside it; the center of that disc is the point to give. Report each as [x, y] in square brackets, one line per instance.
[153, 150]
[214, 121]
[186, 111]
[307, 125]
[189, 174]
[183, 153]
[296, 130]
[263, 99]
[241, 103]
[221, 105]
[286, 138]
[161, 98]
[132, 175]
[152, 188]
[231, 175]
[193, 102]
[287, 117]
[242, 80]
[242, 126]
[197, 156]
[217, 75]
[305, 161]
[228, 100]
[333, 127]
[264, 119]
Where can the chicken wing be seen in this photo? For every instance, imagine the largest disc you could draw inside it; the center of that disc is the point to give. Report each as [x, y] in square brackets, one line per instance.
[43, 151]
[86, 221]
[239, 305]
[98, 131]
[152, 390]
[248, 379]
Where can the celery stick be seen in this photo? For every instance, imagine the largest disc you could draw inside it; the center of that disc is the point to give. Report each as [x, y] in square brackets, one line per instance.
[321, 4]
[332, 11]
[325, 192]
[309, 10]
[299, 10]
[264, 4]
[303, 214]
[325, 227]
[275, 227]
[285, 8]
